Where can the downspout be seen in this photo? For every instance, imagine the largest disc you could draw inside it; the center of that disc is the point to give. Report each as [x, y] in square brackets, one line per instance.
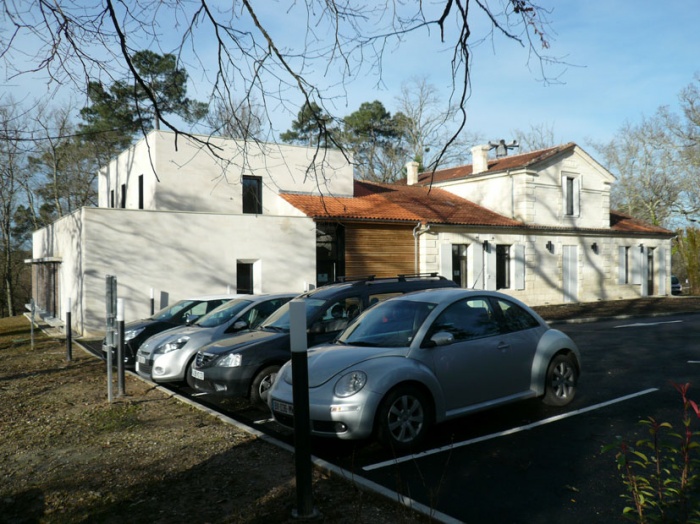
[416, 232]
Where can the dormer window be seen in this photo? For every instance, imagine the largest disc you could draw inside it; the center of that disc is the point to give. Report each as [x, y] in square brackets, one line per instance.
[571, 188]
[252, 195]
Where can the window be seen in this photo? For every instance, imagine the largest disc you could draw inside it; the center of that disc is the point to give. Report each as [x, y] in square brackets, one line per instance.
[244, 278]
[140, 191]
[459, 264]
[111, 198]
[337, 315]
[515, 318]
[466, 320]
[252, 195]
[624, 268]
[502, 266]
[571, 190]
[123, 196]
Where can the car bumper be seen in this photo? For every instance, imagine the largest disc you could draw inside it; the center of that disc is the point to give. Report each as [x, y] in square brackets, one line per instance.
[348, 419]
[224, 382]
[129, 358]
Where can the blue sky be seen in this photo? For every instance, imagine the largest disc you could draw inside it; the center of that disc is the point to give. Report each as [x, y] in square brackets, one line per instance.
[626, 58]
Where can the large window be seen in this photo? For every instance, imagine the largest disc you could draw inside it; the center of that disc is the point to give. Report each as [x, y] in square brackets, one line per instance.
[459, 264]
[502, 266]
[252, 195]
[123, 196]
[244, 278]
[571, 188]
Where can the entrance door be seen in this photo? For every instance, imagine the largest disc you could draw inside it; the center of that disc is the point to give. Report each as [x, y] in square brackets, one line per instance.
[570, 273]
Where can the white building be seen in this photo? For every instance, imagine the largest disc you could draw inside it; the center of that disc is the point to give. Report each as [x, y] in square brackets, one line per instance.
[177, 218]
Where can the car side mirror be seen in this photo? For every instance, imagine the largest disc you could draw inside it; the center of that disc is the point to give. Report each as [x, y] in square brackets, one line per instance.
[239, 325]
[191, 319]
[442, 338]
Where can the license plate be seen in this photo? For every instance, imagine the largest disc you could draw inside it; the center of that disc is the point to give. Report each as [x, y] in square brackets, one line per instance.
[199, 375]
[140, 359]
[282, 407]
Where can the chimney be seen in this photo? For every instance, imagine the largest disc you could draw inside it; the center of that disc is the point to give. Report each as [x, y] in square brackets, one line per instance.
[480, 159]
[412, 173]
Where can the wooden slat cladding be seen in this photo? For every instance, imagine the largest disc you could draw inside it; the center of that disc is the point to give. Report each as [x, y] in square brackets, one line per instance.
[380, 250]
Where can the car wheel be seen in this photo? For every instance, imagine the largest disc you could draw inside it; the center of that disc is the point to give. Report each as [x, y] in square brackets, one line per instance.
[562, 378]
[403, 418]
[262, 382]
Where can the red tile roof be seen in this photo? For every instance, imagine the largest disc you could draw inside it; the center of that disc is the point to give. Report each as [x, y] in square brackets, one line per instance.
[494, 165]
[626, 223]
[399, 203]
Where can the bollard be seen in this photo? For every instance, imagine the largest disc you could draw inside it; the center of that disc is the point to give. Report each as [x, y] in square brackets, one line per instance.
[69, 333]
[31, 324]
[153, 302]
[300, 395]
[120, 347]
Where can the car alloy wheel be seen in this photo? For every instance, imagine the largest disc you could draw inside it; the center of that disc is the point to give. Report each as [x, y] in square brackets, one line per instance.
[261, 385]
[404, 418]
[562, 378]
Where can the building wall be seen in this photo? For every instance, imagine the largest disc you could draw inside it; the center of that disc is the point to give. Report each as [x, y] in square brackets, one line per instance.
[597, 273]
[183, 175]
[178, 254]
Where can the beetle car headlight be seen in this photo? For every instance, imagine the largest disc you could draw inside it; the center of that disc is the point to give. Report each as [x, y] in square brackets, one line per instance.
[350, 383]
[232, 360]
[131, 333]
[173, 345]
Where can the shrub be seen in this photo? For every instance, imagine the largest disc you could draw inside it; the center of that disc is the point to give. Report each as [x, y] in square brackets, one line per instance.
[661, 473]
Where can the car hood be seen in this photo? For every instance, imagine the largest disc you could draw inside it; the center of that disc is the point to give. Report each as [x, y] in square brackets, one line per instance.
[246, 339]
[327, 361]
[166, 336]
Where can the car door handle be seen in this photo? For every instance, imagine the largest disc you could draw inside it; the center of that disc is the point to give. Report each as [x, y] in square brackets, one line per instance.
[502, 346]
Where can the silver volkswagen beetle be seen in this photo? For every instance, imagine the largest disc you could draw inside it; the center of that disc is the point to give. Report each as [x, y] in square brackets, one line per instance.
[426, 357]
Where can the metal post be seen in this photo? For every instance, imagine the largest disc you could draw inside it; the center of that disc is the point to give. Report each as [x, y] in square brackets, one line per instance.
[31, 326]
[111, 305]
[120, 346]
[69, 333]
[300, 395]
[153, 302]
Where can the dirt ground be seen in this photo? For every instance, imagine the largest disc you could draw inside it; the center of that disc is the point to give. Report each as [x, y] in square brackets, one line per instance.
[68, 455]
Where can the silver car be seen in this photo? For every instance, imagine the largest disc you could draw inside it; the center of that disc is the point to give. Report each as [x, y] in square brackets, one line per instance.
[168, 356]
[427, 357]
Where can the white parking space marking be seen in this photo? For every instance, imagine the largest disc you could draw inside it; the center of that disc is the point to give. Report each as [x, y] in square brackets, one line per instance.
[646, 324]
[507, 432]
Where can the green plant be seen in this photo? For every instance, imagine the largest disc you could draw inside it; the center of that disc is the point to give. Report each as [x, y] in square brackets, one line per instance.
[662, 473]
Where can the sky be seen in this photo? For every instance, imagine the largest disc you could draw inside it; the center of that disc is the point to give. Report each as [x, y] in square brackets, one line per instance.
[620, 60]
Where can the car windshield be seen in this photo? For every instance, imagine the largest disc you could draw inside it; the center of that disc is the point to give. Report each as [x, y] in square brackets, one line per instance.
[175, 311]
[279, 320]
[223, 313]
[389, 324]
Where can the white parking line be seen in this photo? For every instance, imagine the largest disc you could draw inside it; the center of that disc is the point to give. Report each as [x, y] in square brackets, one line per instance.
[645, 324]
[507, 432]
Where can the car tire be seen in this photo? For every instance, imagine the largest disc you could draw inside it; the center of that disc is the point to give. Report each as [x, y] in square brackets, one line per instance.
[189, 381]
[561, 381]
[403, 418]
[262, 382]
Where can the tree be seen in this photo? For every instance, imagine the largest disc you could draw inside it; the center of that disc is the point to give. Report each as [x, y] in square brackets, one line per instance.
[312, 126]
[243, 120]
[375, 138]
[539, 136]
[12, 169]
[241, 55]
[428, 125]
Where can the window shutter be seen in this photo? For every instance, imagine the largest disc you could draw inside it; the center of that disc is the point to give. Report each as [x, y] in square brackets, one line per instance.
[490, 268]
[518, 266]
[475, 256]
[663, 277]
[622, 263]
[577, 196]
[445, 268]
[636, 255]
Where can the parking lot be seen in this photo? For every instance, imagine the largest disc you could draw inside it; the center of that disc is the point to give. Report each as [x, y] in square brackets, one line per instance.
[528, 463]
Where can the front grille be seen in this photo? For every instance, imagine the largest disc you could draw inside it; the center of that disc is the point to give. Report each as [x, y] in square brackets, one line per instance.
[145, 368]
[285, 420]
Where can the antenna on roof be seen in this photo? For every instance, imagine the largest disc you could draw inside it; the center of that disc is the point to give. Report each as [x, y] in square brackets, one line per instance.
[502, 148]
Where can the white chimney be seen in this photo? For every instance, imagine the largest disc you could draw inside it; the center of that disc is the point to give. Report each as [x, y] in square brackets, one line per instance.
[412, 173]
[480, 159]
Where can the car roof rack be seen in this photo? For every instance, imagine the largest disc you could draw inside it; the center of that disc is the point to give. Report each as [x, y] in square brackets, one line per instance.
[433, 274]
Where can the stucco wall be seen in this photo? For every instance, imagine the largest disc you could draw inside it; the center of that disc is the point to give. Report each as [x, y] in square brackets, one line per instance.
[597, 274]
[190, 176]
[176, 254]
